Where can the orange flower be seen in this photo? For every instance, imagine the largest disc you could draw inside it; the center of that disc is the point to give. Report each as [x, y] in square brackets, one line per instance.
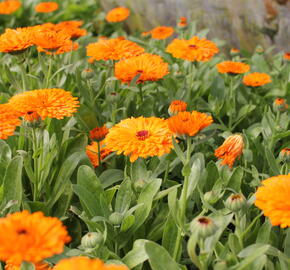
[71, 28]
[182, 22]
[9, 6]
[99, 133]
[162, 32]
[273, 199]
[189, 123]
[31, 117]
[234, 50]
[113, 49]
[232, 68]
[285, 154]
[177, 106]
[118, 14]
[280, 104]
[46, 7]
[146, 34]
[69, 46]
[83, 263]
[287, 55]
[15, 40]
[92, 151]
[230, 150]
[9, 120]
[150, 67]
[30, 237]
[52, 103]
[256, 79]
[194, 49]
[38, 266]
[140, 137]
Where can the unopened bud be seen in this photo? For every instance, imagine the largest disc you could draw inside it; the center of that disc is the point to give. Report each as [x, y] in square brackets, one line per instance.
[285, 154]
[87, 73]
[235, 202]
[211, 197]
[113, 97]
[116, 218]
[203, 226]
[280, 105]
[92, 240]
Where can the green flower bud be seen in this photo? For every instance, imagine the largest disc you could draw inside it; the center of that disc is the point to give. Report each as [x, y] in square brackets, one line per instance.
[211, 197]
[116, 218]
[203, 226]
[92, 239]
[221, 265]
[235, 202]
[113, 97]
[87, 73]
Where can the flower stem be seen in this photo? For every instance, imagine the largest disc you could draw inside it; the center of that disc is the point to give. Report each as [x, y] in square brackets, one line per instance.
[48, 73]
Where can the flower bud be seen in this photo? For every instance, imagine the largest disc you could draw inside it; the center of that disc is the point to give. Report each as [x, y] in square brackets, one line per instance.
[286, 56]
[211, 197]
[235, 202]
[234, 51]
[177, 106]
[87, 73]
[99, 133]
[221, 265]
[285, 154]
[280, 105]
[116, 218]
[113, 97]
[203, 226]
[259, 50]
[92, 239]
[182, 22]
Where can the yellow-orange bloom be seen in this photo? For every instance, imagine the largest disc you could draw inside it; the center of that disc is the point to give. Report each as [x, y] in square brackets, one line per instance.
[69, 46]
[92, 151]
[118, 14]
[140, 137]
[15, 40]
[9, 120]
[232, 68]
[71, 28]
[256, 79]
[280, 104]
[38, 266]
[99, 133]
[230, 150]
[146, 34]
[182, 22]
[234, 50]
[285, 154]
[273, 199]
[177, 106]
[52, 103]
[83, 263]
[194, 49]
[9, 6]
[46, 7]
[113, 49]
[286, 55]
[189, 123]
[30, 237]
[162, 32]
[150, 67]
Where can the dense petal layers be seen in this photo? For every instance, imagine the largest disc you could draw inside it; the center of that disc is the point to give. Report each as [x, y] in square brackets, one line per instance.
[118, 14]
[92, 151]
[177, 106]
[9, 120]
[46, 7]
[231, 67]
[256, 79]
[9, 6]
[162, 32]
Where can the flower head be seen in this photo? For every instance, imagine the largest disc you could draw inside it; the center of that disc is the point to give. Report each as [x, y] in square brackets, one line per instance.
[150, 67]
[92, 151]
[286, 55]
[162, 32]
[37, 237]
[232, 68]
[9, 120]
[177, 106]
[189, 123]
[9, 6]
[52, 103]
[113, 49]
[99, 133]
[140, 137]
[256, 79]
[194, 49]
[203, 226]
[280, 104]
[234, 50]
[72, 28]
[273, 199]
[285, 154]
[118, 14]
[38, 266]
[230, 150]
[46, 7]
[182, 22]
[67, 47]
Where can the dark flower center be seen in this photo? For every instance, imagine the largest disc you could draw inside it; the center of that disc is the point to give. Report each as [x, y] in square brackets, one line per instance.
[204, 221]
[142, 135]
[236, 197]
[21, 231]
[192, 46]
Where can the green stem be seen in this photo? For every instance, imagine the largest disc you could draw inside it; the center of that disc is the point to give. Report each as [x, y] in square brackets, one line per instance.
[140, 92]
[232, 102]
[48, 73]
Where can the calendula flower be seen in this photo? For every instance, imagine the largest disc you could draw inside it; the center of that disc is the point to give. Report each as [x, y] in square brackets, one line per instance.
[146, 34]
[280, 104]
[31, 116]
[285, 154]
[83, 263]
[194, 49]
[230, 150]
[273, 199]
[15, 40]
[234, 50]
[72, 28]
[9, 120]
[182, 22]
[92, 151]
[46, 7]
[9, 6]
[38, 266]
[150, 67]
[287, 56]
[232, 68]
[177, 106]
[162, 32]
[68, 47]
[118, 14]
[113, 49]
[35, 237]
[52, 103]
[188, 123]
[99, 133]
[256, 79]
[140, 137]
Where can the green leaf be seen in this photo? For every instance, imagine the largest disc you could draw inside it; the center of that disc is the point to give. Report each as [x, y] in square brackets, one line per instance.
[274, 168]
[124, 195]
[236, 179]
[169, 233]
[110, 177]
[137, 255]
[127, 223]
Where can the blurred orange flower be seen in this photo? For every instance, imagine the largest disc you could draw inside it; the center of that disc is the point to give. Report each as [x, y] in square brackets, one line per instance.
[287, 55]
[150, 67]
[234, 50]
[99, 133]
[194, 49]
[118, 14]
[162, 32]
[71, 28]
[9, 6]
[273, 199]
[177, 106]
[46, 7]
[36, 237]
[140, 137]
[69, 46]
[188, 123]
[92, 151]
[182, 22]
[256, 79]
[230, 150]
[38, 266]
[280, 104]
[113, 49]
[232, 68]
